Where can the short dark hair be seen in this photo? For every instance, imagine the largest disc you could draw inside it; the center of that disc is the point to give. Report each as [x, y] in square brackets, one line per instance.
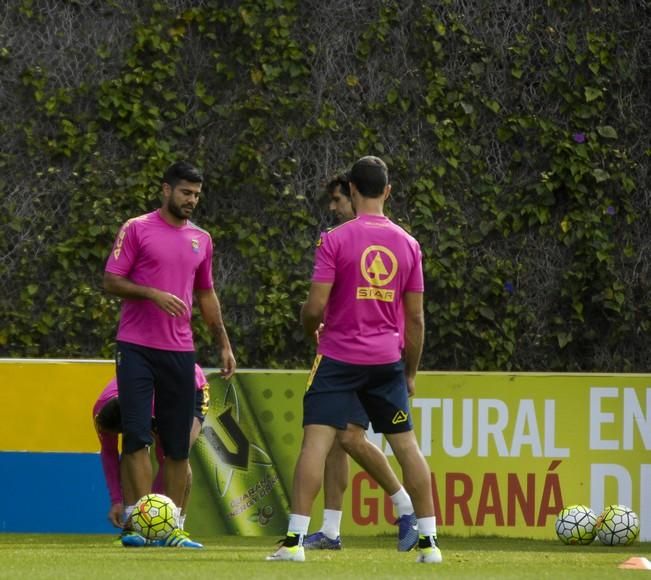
[370, 176]
[182, 171]
[110, 416]
[339, 181]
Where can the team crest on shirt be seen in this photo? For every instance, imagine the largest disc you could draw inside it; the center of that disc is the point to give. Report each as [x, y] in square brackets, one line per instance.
[379, 267]
[195, 245]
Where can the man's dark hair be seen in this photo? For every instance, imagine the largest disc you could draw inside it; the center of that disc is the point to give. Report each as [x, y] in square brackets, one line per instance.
[370, 176]
[339, 181]
[182, 171]
[110, 417]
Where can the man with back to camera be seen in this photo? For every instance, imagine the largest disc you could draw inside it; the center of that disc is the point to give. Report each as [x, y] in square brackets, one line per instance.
[336, 473]
[367, 283]
[158, 261]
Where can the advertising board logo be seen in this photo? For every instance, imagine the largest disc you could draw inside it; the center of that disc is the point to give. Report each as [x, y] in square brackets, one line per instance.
[233, 448]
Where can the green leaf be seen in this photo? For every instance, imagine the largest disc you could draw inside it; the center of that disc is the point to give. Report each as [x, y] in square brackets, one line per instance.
[487, 312]
[564, 338]
[592, 94]
[504, 134]
[468, 109]
[607, 132]
[600, 175]
[493, 105]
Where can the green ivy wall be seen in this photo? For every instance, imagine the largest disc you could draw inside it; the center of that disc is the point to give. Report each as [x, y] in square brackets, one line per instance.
[517, 135]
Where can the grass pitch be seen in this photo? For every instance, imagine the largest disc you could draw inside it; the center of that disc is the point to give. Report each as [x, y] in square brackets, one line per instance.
[90, 557]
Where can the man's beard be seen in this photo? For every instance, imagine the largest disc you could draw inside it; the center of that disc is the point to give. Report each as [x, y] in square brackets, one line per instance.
[177, 211]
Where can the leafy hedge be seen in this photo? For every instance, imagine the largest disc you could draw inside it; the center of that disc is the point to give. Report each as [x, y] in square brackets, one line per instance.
[516, 134]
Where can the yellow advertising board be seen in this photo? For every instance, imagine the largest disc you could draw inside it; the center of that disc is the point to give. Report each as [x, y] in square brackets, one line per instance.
[46, 404]
[506, 450]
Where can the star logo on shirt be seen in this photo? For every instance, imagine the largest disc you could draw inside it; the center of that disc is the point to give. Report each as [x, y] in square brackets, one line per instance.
[378, 265]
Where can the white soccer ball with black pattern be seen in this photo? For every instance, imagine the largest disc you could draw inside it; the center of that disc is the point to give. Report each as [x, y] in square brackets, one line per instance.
[618, 525]
[154, 516]
[575, 524]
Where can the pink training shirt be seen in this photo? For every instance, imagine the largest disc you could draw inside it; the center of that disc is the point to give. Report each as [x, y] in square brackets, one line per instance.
[109, 452]
[371, 262]
[150, 252]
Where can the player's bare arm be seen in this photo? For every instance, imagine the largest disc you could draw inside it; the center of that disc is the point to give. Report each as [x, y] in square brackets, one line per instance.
[414, 336]
[314, 307]
[211, 312]
[125, 288]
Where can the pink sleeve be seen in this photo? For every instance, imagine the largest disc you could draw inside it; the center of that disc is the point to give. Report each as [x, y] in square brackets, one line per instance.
[111, 464]
[125, 250]
[108, 452]
[415, 281]
[324, 260]
[203, 278]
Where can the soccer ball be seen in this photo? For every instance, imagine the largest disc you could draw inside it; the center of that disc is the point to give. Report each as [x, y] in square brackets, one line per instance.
[618, 525]
[575, 524]
[154, 516]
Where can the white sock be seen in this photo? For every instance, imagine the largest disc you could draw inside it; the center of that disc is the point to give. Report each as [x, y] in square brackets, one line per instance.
[402, 501]
[427, 526]
[182, 520]
[128, 510]
[331, 523]
[298, 524]
[177, 516]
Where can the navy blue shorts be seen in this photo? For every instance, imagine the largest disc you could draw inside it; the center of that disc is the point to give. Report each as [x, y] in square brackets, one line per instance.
[201, 404]
[357, 415]
[335, 389]
[167, 377]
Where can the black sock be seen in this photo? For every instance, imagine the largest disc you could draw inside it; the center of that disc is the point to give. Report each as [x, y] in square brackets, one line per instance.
[291, 540]
[427, 542]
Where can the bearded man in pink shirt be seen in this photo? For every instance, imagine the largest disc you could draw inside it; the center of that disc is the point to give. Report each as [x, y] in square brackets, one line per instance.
[367, 283]
[159, 261]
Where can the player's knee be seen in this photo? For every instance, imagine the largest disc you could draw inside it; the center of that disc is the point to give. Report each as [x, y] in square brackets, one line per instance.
[403, 443]
[352, 441]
